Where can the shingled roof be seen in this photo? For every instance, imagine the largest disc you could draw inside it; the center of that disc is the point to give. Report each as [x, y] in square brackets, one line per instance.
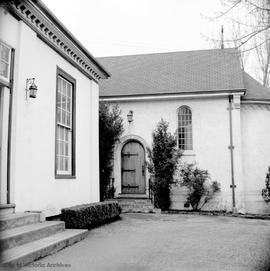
[177, 72]
[255, 90]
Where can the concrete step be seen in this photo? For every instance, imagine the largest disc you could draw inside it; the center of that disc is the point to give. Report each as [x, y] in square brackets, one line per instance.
[140, 210]
[139, 201]
[25, 234]
[137, 205]
[130, 196]
[134, 200]
[27, 253]
[135, 210]
[7, 208]
[9, 221]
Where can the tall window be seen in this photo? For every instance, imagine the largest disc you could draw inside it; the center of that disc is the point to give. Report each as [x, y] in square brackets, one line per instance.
[5, 56]
[65, 149]
[185, 128]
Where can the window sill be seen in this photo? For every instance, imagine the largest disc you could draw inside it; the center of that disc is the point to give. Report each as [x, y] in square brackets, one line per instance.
[4, 82]
[188, 153]
[64, 177]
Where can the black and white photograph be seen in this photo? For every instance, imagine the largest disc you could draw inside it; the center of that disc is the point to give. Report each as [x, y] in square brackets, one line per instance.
[135, 135]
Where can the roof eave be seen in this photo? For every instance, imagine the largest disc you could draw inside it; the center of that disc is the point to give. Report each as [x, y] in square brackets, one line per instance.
[61, 26]
[213, 93]
[255, 101]
[49, 29]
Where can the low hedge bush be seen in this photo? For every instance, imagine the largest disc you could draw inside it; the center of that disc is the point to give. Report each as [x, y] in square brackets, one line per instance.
[89, 215]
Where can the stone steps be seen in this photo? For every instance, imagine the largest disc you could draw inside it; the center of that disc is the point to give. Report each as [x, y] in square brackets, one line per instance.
[25, 239]
[132, 196]
[9, 221]
[7, 208]
[25, 234]
[136, 205]
[142, 201]
[27, 253]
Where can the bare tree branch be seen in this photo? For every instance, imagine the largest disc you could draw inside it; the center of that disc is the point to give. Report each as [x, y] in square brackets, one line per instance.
[228, 10]
[256, 6]
[249, 33]
[256, 46]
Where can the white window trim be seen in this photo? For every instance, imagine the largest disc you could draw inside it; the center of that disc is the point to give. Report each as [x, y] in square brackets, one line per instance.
[188, 152]
[70, 129]
[6, 79]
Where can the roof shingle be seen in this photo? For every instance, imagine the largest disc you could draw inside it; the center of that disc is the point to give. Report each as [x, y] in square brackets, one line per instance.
[254, 89]
[178, 72]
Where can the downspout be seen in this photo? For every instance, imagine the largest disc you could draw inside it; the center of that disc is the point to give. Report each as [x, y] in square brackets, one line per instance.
[231, 147]
[11, 84]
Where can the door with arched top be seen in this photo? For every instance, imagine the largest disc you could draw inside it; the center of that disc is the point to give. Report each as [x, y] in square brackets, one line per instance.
[133, 168]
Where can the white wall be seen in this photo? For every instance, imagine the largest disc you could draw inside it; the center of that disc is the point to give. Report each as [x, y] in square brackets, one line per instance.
[256, 154]
[33, 140]
[210, 139]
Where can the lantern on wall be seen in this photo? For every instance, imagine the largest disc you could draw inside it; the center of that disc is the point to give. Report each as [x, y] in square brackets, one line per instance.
[130, 116]
[31, 88]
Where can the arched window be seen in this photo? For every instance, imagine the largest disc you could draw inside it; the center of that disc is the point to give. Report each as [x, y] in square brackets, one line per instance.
[185, 128]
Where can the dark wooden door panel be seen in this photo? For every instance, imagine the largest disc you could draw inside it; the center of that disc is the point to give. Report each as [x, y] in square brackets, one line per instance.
[133, 168]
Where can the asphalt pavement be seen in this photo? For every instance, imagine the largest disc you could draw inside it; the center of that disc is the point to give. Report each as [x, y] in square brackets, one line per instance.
[167, 242]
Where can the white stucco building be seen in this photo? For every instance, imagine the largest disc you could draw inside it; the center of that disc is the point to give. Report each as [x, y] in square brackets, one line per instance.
[220, 113]
[49, 144]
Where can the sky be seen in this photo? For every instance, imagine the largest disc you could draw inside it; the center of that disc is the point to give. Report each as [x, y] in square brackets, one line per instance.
[124, 27]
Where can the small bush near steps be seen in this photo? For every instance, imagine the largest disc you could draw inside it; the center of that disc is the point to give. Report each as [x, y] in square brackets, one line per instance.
[200, 189]
[266, 190]
[87, 216]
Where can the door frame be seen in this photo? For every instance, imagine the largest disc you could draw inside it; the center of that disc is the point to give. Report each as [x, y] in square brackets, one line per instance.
[144, 161]
[117, 175]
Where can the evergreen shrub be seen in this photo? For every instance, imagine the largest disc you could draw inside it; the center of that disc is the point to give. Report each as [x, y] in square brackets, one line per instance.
[110, 130]
[87, 216]
[163, 160]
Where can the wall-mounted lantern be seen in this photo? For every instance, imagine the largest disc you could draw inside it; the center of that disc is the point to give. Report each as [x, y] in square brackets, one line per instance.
[31, 88]
[130, 116]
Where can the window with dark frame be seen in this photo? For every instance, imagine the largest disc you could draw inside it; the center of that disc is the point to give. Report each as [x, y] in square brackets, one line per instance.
[5, 58]
[65, 128]
[185, 128]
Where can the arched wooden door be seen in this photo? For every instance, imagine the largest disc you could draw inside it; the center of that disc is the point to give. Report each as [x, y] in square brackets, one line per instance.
[133, 168]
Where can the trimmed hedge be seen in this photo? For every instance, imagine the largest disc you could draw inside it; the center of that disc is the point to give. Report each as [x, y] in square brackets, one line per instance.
[89, 215]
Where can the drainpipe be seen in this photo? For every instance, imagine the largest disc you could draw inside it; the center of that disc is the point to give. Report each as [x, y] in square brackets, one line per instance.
[231, 147]
[11, 83]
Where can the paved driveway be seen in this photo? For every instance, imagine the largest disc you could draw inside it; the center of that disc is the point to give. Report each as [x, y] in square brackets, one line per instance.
[168, 242]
